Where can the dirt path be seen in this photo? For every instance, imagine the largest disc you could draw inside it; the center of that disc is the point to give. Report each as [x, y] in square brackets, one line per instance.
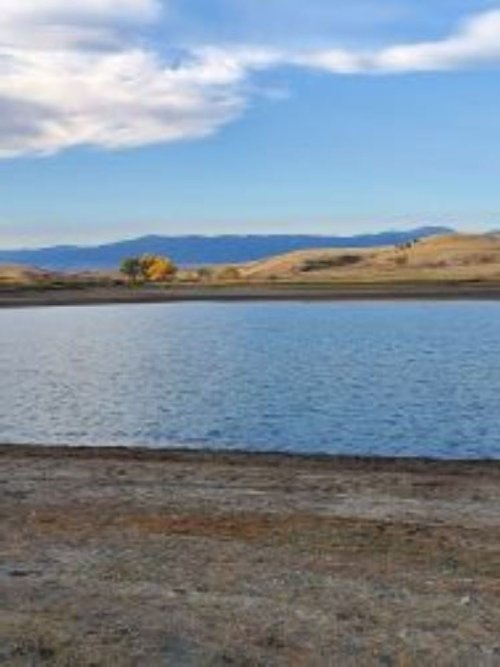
[145, 558]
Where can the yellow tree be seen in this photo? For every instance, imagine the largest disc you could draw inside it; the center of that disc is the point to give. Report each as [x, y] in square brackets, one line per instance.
[157, 269]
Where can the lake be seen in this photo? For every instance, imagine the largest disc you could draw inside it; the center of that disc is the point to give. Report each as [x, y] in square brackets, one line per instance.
[379, 378]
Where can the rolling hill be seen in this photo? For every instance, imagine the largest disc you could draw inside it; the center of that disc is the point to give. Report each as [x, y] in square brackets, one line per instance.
[12, 274]
[196, 250]
[446, 260]
[454, 257]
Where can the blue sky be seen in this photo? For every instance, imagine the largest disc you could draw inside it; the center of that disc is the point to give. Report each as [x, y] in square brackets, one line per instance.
[124, 117]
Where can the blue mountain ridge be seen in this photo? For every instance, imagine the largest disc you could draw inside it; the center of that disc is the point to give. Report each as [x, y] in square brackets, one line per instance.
[196, 250]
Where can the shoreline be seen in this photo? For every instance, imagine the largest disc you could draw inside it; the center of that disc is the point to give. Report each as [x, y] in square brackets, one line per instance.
[129, 557]
[238, 457]
[91, 296]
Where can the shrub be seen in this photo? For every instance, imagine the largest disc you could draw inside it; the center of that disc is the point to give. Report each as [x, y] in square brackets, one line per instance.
[229, 273]
[323, 263]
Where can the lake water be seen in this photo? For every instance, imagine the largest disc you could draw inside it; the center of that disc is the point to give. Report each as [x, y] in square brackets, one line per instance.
[384, 378]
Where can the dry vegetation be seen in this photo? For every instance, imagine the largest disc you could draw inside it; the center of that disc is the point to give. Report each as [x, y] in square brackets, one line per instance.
[129, 558]
[457, 257]
[14, 276]
[453, 266]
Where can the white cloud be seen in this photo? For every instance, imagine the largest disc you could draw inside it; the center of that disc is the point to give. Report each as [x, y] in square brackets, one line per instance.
[336, 61]
[71, 75]
[476, 43]
[56, 100]
[33, 11]
[51, 24]
[79, 85]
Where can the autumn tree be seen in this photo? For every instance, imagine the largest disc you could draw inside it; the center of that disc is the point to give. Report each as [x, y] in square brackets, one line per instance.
[155, 268]
[158, 269]
[148, 268]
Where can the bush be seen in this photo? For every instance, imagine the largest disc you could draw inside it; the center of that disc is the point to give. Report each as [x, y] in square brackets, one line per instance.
[229, 273]
[204, 273]
[323, 263]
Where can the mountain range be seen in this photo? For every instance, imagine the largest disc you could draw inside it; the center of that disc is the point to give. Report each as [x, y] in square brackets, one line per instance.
[197, 250]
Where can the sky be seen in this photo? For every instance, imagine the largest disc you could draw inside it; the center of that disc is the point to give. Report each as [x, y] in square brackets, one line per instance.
[127, 117]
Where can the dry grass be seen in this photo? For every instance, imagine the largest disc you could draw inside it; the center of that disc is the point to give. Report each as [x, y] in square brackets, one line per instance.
[25, 277]
[11, 274]
[457, 257]
[128, 559]
[444, 259]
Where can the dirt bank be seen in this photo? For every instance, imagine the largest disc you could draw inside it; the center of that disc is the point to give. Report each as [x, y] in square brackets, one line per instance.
[115, 557]
[27, 297]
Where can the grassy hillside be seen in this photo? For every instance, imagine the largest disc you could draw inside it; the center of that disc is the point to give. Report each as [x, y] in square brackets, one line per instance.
[19, 276]
[13, 275]
[451, 257]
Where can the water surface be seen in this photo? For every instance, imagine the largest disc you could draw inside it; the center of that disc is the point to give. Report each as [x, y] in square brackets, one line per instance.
[384, 378]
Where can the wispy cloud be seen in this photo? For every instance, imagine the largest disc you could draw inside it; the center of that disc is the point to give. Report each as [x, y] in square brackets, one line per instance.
[476, 43]
[36, 11]
[72, 74]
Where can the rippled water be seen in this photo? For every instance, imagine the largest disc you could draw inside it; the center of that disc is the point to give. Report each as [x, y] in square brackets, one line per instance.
[367, 378]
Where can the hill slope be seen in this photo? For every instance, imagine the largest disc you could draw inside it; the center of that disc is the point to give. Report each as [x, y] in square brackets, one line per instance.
[195, 250]
[448, 257]
[12, 274]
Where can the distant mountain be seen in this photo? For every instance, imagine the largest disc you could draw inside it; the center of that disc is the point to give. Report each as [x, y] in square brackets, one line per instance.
[195, 250]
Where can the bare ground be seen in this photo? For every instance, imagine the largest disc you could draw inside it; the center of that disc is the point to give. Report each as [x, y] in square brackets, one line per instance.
[113, 557]
[87, 295]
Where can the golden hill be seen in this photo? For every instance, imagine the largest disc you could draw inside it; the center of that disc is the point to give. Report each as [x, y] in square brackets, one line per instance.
[452, 257]
[12, 274]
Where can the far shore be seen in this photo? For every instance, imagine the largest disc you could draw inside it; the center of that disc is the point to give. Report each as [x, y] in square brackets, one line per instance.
[90, 295]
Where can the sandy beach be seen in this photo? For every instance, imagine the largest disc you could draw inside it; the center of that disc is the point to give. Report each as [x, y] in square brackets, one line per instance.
[133, 557]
